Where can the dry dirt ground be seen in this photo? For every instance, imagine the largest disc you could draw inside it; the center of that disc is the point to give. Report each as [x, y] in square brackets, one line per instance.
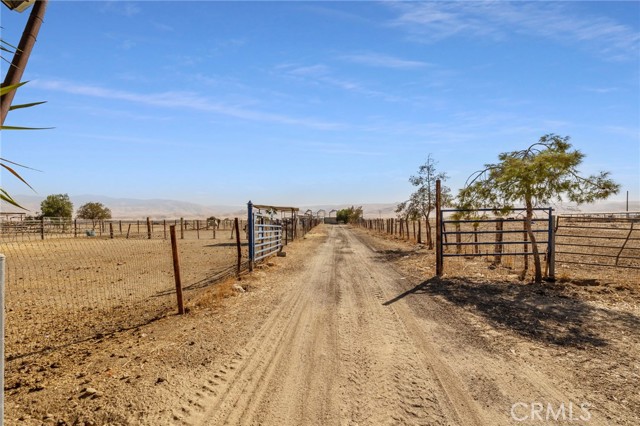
[349, 329]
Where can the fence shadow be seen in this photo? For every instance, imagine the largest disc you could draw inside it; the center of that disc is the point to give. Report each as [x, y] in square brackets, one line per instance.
[543, 313]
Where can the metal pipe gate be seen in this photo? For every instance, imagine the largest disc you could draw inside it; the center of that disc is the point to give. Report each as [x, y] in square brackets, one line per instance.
[499, 242]
[264, 234]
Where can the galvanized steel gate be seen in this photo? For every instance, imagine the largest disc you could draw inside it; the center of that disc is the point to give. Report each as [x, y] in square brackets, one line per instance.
[488, 231]
[264, 234]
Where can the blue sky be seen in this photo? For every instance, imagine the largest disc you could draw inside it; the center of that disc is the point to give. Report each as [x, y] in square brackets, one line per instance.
[317, 102]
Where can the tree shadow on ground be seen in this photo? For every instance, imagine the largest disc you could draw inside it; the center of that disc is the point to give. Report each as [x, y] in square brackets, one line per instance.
[538, 312]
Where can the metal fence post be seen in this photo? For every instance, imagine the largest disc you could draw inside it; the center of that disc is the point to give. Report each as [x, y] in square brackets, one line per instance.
[238, 244]
[552, 247]
[2, 259]
[250, 234]
[176, 269]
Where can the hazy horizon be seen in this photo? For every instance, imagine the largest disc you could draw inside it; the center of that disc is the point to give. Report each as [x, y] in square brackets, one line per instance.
[316, 102]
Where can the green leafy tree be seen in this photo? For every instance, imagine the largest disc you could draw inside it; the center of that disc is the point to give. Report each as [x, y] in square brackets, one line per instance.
[349, 215]
[423, 201]
[94, 212]
[58, 205]
[544, 172]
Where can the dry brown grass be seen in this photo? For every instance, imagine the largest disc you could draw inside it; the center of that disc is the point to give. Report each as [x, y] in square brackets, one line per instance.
[213, 296]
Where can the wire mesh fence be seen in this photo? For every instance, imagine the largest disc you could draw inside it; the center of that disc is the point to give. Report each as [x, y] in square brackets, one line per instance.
[72, 286]
[48, 228]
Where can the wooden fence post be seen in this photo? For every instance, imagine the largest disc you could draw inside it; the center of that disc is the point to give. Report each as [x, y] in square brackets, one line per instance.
[128, 231]
[198, 228]
[526, 249]
[148, 228]
[238, 244]
[164, 228]
[182, 228]
[111, 230]
[176, 269]
[439, 262]
[497, 258]
[458, 238]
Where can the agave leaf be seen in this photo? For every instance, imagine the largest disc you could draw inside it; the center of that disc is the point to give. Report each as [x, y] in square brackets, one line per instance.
[25, 128]
[4, 196]
[29, 105]
[6, 89]
[18, 164]
[9, 44]
[13, 172]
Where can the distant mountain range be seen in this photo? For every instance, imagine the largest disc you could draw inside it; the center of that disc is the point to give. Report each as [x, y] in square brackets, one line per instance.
[129, 208]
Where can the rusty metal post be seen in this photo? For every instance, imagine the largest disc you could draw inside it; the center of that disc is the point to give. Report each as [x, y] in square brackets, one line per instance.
[238, 244]
[176, 269]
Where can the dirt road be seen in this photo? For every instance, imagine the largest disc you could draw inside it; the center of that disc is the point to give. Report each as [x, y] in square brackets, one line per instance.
[351, 329]
[344, 348]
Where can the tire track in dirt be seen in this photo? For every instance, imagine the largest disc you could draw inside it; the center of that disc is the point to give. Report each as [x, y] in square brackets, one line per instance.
[236, 399]
[445, 389]
[331, 353]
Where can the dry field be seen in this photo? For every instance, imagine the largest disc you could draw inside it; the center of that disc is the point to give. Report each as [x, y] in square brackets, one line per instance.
[62, 290]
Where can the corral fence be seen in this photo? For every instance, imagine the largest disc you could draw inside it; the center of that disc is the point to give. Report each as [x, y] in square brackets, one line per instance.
[402, 228]
[57, 227]
[599, 239]
[75, 285]
[586, 245]
[270, 228]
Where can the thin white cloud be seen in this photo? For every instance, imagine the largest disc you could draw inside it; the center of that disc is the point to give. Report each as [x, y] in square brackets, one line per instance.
[128, 9]
[601, 90]
[553, 20]
[321, 74]
[162, 27]
[181, 100]
[384, 61]
[309, 71]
